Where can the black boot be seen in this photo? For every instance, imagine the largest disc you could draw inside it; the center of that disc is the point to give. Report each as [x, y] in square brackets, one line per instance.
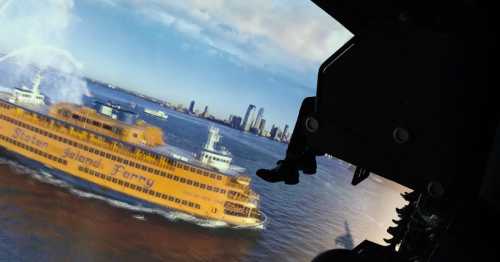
[307, 163]
[284, 171]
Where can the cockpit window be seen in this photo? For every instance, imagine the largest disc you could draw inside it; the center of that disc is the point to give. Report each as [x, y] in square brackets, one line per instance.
[215, 86]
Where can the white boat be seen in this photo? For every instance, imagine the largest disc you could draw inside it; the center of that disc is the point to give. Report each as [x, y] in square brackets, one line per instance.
[156, 113]
[29, 96]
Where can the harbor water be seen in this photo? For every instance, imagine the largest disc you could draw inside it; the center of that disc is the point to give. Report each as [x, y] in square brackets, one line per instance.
[43, 219]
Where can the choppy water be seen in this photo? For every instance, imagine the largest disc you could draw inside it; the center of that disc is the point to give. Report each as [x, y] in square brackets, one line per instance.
[43, 219]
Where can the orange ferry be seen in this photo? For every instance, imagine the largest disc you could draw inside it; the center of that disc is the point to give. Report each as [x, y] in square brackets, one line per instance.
[124, 158]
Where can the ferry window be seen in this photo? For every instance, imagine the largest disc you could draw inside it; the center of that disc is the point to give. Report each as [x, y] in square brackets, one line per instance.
[171, 198]
[190, 182]
[202, 186]
[216, 189]
[223, 191]
[196, 184]
[134, 135]
[127, 184]
[209, 188]
[114, 180]
[184, 202]
[183, 180]
[150, 170]
[120, 182]
[113, 157]
[192, 169]
[151, 192]
[101, 153]
[125, 162]
[132, 186]
[176, 178]
[76, 117]
[108, 155]
[212, 175]
[106, 126]
[177, 200]
[169, 176]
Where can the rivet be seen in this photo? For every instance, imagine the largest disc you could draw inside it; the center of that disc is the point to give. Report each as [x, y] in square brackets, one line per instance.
[312, 125]
[401, 135]
[435, 189]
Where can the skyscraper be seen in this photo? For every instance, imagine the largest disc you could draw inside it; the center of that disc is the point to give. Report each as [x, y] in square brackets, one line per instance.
[256, 124]
[191, 107]
[251, 122]
[284, 136]
[235, 122]
[247, 119]
[262, 125]
[205, 112]
[274, 132]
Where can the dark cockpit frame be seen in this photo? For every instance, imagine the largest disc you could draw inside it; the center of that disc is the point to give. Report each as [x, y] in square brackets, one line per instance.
[411, 98]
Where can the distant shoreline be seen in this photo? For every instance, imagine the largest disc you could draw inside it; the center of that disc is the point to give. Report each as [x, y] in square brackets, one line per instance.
[159, 102]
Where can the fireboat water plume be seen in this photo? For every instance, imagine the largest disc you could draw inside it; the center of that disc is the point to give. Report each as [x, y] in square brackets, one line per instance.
[62, 81]
[37, 33]
[3, 5]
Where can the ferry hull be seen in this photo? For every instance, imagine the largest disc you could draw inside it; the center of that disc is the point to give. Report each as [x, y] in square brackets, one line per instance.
[78, 183]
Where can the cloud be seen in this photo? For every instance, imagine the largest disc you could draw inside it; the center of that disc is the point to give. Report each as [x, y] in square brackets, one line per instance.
[277, 35]
[34, 22]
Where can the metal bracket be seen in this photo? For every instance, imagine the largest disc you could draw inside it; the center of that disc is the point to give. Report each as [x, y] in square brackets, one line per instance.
[360, 174]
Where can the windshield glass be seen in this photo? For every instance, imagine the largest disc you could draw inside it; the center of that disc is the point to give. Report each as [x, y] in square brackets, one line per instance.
[139, 126]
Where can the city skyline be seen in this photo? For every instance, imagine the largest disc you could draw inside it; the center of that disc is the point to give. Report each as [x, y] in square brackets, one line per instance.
[225, 54]
[255, 126]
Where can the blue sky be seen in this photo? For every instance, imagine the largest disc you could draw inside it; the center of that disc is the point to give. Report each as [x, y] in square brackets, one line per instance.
[220, 53]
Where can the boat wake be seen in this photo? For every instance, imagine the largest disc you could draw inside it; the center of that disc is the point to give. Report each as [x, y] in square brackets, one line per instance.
[170, 215]
[46, 177]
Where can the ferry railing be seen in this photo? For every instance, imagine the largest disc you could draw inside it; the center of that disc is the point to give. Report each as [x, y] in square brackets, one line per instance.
[247, 197]
[239, 198]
